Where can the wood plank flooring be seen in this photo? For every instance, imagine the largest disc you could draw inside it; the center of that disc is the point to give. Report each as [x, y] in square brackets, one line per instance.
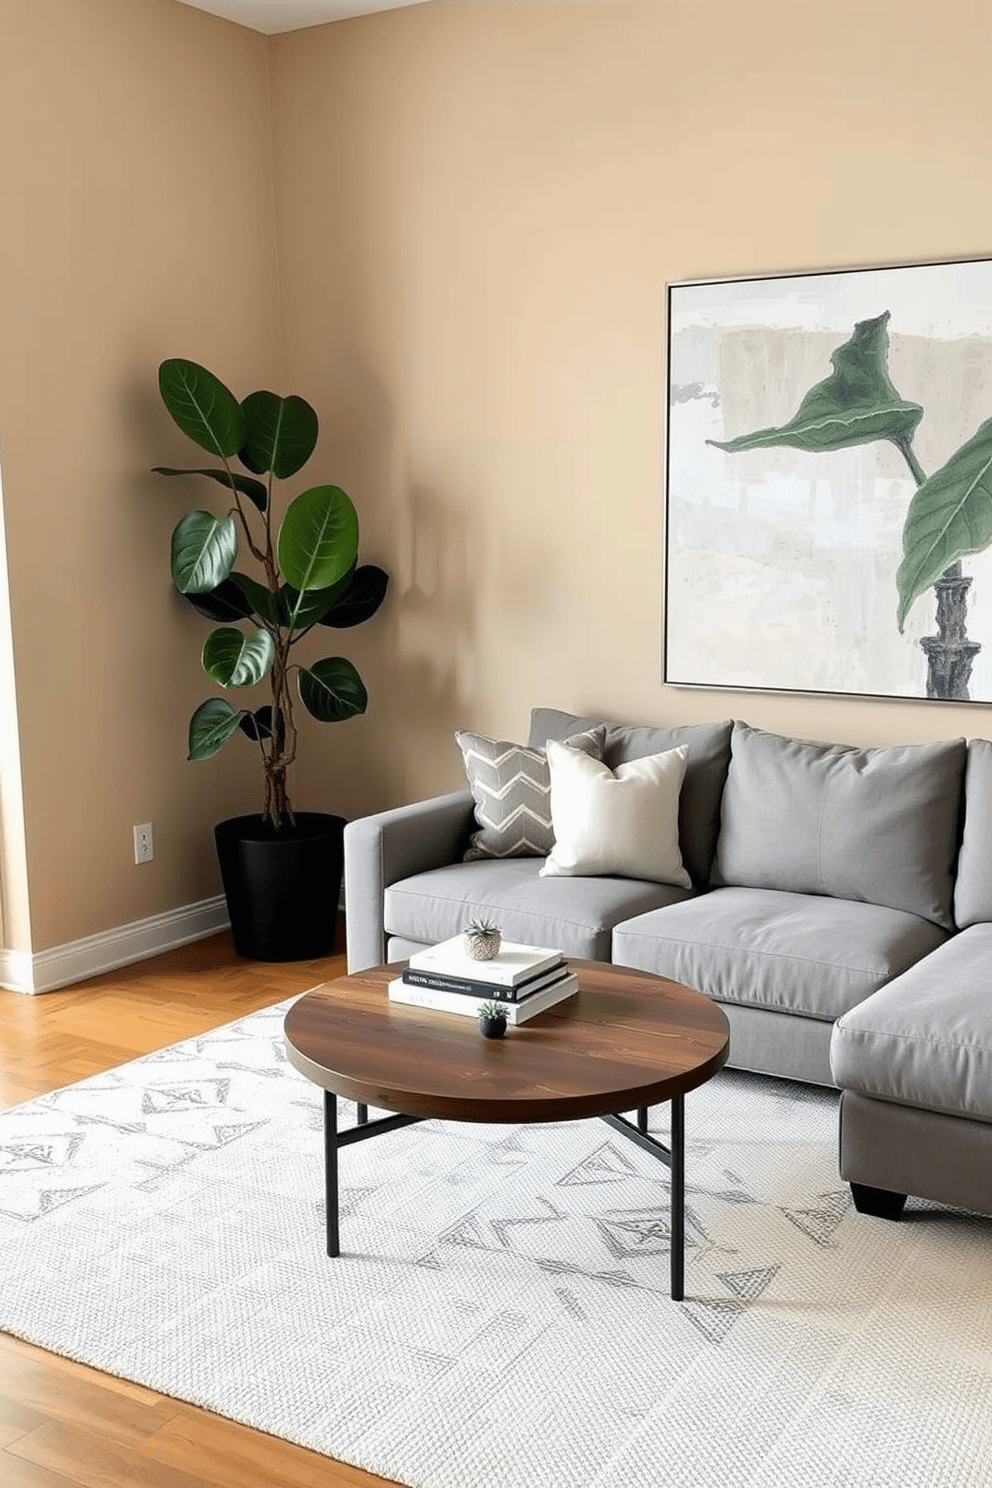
[61, 1423]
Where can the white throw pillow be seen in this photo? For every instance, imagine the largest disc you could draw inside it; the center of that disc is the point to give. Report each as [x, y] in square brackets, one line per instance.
[623, 822]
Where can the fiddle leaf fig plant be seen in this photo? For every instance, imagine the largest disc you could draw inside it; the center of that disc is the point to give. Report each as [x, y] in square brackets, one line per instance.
[308, 572]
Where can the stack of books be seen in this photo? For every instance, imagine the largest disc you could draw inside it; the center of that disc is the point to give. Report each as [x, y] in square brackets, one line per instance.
[523, 979]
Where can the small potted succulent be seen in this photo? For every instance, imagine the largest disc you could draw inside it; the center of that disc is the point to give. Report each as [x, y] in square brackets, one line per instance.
[482, 940]
[492, 1020]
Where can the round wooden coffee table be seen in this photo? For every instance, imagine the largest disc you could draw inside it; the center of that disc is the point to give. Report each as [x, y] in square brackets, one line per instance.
[626, 1041]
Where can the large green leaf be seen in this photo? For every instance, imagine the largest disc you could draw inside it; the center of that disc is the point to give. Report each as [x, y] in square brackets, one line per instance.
[202, 406]
[306, 608]
[261, 601]
[318, 540]
[949, 517]
[222, 604]
[856, 404]
[332, 690]
[280, 433]
[360, 600]
[211, 726]
[303, 608]
[204, 548]
[246, 484]
[236, 660]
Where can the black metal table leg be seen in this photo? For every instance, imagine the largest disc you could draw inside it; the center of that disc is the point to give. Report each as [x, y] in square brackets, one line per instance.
[674, 1159]
[334, 1140]
[678, 1198]
[331, 1171]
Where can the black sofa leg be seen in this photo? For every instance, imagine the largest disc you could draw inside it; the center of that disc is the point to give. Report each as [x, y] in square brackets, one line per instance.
[877, 1201]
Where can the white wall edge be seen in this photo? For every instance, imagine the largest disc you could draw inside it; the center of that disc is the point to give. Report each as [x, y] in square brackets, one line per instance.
[60, 966]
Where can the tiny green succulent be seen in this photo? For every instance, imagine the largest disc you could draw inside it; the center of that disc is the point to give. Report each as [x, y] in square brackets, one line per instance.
[482, 927]
[492, 1010]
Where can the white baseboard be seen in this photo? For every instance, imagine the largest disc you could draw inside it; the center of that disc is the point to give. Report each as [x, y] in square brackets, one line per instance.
[44, 971]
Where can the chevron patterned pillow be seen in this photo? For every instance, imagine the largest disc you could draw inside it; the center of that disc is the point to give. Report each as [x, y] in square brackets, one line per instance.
[512, 789]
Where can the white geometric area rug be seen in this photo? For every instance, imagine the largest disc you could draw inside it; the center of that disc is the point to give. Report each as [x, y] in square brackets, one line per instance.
[500, 1316]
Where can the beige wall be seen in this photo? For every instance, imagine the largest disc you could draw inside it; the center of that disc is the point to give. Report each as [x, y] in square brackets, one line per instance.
[479, 208]
[135, 169]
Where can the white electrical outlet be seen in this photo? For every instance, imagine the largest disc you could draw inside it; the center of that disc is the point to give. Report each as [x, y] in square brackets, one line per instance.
[144, 847]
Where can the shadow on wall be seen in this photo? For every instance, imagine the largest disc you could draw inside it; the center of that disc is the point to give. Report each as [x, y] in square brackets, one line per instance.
[428, 655]
[417, 656]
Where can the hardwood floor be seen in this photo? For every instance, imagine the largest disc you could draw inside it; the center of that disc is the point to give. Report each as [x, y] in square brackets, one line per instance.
[62, 1423]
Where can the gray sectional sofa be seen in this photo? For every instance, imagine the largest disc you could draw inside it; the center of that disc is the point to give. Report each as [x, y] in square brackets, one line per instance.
[840, 913]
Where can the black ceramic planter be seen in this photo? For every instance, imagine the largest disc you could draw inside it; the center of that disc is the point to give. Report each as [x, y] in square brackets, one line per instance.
[282, 888]
[492, 1027]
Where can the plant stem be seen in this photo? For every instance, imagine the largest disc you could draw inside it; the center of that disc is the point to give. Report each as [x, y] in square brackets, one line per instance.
[905, 448]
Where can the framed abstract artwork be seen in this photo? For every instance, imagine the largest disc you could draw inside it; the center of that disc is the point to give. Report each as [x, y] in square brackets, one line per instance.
[829, 483]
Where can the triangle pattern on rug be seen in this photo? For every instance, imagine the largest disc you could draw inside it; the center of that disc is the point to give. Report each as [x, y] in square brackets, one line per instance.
[273, 1073]
[644, 1232]
[510, 1153]
[224, 1135]
[56, 1151]
[467, 1231]
[430, 1261]
[46, 1201]
[128, 1128]
[607, 1164]
[349, 1199]
[503, 1226]
[821, 1222]
[713, 1319]
[622, 1280]
[159, 1100]
[727, 1195]
[749, 1284]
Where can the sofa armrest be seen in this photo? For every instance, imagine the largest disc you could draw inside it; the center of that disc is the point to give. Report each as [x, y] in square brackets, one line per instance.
[380, 850]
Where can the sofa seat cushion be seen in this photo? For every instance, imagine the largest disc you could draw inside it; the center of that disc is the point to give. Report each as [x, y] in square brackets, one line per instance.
[792, 953]
[926, 1039]
[577, 914]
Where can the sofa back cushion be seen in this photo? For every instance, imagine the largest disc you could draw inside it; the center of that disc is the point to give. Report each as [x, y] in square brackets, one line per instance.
[706, 770]
[973, 888]
[879, 826]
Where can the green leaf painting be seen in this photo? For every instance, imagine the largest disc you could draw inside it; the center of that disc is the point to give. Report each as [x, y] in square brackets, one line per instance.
[949, 517]
[856, 404]
[829, 454]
